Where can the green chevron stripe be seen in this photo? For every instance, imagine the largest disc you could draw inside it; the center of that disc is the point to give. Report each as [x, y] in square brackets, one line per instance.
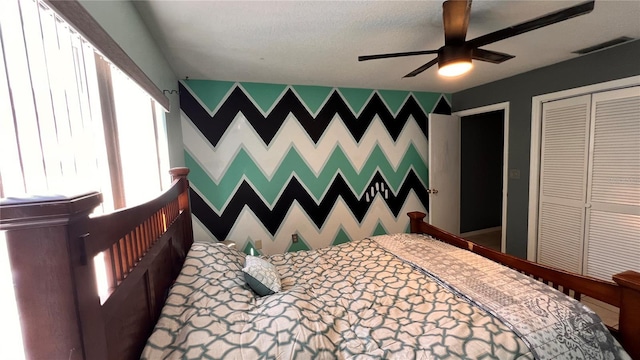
[211, 93]
[394, 99]
[312, 96]
[247, 249]
[356, 98]
[301, 245]
[244, 165]
[341, 238]
[265, 95]
[427, 100]
[379, 230]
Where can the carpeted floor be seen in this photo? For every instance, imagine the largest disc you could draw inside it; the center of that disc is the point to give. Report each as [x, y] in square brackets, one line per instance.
[491, 240]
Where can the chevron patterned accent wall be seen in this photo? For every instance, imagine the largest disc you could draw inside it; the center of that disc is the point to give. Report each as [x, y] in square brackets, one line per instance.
[328, 164]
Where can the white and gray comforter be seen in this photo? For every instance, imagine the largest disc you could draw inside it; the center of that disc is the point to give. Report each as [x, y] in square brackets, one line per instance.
[386, 297]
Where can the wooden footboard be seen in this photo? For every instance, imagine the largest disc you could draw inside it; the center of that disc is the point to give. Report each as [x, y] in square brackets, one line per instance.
[623, 292]
[52, 244]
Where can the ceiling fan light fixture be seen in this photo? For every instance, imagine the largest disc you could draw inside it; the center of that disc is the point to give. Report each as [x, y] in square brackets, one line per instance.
[455, 68]
[454, 60]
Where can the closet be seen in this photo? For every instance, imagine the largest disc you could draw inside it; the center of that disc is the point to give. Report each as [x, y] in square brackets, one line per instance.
[589, 194]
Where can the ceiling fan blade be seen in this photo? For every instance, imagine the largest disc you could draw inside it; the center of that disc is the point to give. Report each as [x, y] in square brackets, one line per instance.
[455, 17]
[542, 21]
[490, 56]
[422, 68]
[392, 55]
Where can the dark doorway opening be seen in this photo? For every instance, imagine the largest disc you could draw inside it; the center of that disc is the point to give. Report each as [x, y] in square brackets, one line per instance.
[481, 177]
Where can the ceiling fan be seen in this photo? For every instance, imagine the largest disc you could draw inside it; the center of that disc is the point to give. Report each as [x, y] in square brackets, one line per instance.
[454, 58]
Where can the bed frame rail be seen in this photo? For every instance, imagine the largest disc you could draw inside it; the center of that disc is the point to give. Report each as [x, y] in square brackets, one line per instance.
[623, 292]
[52, 245]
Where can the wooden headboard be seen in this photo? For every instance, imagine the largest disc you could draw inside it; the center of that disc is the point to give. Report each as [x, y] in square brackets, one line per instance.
[623, 293]
[52, 244]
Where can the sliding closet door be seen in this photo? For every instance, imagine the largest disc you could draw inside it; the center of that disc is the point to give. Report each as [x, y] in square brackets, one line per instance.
[613, 198]
[563, 181]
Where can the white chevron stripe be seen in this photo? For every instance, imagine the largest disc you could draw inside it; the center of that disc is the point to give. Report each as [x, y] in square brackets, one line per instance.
[249, 228]
[200, 232]
[240, 134]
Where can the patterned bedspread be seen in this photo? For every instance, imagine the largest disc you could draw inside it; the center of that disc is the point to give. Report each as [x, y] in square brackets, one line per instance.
[553, 325]
[353, 301]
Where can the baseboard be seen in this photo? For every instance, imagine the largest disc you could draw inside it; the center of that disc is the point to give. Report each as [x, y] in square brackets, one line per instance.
[481, 231]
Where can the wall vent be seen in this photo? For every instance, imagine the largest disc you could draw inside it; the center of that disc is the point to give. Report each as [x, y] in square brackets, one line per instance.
[604, 45]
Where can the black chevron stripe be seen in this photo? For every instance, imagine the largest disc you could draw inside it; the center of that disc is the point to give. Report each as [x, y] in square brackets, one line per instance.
[220, 225]
[442, 107]
[214, 127]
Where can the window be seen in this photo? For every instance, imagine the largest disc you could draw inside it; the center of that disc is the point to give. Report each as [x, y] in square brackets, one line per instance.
[71, 120]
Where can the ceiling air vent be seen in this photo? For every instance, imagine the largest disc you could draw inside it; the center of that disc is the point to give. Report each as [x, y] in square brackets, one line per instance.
[604, 45]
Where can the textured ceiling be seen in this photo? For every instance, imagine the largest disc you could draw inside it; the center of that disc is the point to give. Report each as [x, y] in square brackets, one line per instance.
[318, 42]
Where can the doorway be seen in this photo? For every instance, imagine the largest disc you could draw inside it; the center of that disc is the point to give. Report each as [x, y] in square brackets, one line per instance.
[483, 174]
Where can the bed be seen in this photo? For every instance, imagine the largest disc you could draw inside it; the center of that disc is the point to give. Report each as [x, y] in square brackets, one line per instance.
[63, 316]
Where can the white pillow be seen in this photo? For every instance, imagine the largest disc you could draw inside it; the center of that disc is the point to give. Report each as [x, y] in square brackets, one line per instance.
[261, 276]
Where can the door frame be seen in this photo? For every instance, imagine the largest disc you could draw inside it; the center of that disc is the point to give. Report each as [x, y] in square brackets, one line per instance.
[536, 142]
[505, 157]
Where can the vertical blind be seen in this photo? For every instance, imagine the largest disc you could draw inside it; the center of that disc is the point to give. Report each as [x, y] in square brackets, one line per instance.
[71, 121]
[51, 133]
[53, 97]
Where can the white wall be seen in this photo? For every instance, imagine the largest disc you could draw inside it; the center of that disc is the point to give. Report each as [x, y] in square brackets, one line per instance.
[122, 21]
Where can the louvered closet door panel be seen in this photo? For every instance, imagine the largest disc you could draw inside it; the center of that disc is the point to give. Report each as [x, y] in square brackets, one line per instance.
[616, 147]
[563, 180]
[613, 244]
[613, 216]
[560, 236]
[565, 136]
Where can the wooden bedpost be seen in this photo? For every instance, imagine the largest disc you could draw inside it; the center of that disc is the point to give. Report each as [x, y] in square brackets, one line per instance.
[40, 254]
[416, 218]
[629, 322]
[178, 173]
